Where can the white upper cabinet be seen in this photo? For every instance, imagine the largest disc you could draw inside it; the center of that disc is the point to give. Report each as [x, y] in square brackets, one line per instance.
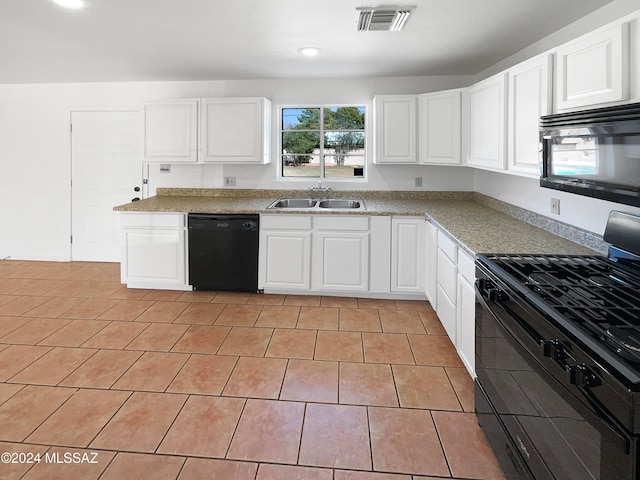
[593, 69]
[487, 123]
[439, 128]
[396, 128]
[529, 98]
[236, 130]
[171, 131]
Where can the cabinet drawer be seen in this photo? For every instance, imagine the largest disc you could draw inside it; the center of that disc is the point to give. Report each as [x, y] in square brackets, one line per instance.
[153, 220]
[466, 266]
[285, 222]
[342, 222]
[448, 246]
[447, 275]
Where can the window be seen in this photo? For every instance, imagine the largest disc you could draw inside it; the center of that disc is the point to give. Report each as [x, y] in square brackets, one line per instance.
[323, 142]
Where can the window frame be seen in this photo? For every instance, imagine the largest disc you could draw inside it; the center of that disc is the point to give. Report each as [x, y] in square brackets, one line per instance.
[322, 178]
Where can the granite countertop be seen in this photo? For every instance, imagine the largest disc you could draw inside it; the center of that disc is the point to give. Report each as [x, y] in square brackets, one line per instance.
[477, 227]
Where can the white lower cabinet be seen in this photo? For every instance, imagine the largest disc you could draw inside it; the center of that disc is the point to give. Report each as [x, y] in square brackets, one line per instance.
[466, 311]
[455, 297]
[430, 264]
[154, 251]
[407, 255]
[341, 253]
[447, 269]
[285, 252]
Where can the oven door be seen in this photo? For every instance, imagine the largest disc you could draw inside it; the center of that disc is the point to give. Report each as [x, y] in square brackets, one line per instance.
[539, 428]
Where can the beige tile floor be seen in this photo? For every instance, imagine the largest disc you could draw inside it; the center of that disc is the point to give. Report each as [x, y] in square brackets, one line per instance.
[107, 382]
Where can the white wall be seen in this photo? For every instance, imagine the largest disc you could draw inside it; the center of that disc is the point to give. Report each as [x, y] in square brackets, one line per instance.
[35, 156]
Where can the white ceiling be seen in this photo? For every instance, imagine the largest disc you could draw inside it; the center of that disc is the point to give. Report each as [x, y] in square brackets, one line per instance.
[133, 40]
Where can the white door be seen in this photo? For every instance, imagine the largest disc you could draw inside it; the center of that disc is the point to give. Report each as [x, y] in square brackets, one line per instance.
[106, 168]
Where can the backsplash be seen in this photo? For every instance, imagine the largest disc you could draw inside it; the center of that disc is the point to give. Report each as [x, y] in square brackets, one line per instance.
[577, 235]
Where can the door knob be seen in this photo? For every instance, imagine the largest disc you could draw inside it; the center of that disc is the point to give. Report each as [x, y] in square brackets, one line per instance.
[135, 199]
[136, 189]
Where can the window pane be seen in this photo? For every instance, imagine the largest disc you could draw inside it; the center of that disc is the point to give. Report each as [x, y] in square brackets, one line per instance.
[300, 143]
[343, 142]
[344, 166]
[344, 118]
[300, 118]
[300, 165]
[333, 148]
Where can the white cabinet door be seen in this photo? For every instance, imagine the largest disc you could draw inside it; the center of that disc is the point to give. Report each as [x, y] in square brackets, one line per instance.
[439, 128]
[285, 252]
[487, 123]
[236, 130]
[342, 261]
[447, 268]
[407, 255]
[431, 259]
[340, 253]
[594, 69]
[466, 310]
[529, 98]
[395, 129]
[287, 260]
[155, 255]
[447, 314]
[154, 250]
[171, 131]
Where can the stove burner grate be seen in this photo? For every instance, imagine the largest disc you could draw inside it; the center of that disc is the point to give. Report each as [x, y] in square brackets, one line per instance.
[593, 292]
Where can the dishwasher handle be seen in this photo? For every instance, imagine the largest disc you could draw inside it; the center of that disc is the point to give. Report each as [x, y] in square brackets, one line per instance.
[223, 222]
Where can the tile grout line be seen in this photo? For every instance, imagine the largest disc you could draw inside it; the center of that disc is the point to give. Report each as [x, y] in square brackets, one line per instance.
[235, 429]
[184, 403]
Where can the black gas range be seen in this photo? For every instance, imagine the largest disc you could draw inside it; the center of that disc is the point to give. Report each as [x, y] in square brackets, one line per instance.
[558, 359]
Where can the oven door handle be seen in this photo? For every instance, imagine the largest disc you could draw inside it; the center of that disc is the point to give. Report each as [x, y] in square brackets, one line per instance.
[583, 380]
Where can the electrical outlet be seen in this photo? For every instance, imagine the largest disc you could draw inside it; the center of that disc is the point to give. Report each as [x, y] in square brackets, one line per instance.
[229, 181]
[555, 206]
[417, 181]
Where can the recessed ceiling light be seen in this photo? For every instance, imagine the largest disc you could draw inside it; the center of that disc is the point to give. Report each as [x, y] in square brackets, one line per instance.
[72, 4]
[309, 51]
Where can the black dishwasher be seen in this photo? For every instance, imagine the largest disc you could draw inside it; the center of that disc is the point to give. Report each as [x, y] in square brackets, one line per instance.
[223, 252]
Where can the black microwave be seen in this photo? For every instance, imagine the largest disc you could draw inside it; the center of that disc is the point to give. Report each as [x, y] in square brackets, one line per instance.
[593, 152]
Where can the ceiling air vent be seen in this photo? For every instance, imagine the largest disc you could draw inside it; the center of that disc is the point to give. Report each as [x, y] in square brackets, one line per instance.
[382, 19]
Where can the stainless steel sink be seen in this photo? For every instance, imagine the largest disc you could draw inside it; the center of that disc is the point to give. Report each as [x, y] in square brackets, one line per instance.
[317, 204]
[339, 203]
[293, 203]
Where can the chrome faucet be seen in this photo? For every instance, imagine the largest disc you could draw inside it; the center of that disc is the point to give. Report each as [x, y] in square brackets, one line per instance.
[320, 188]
